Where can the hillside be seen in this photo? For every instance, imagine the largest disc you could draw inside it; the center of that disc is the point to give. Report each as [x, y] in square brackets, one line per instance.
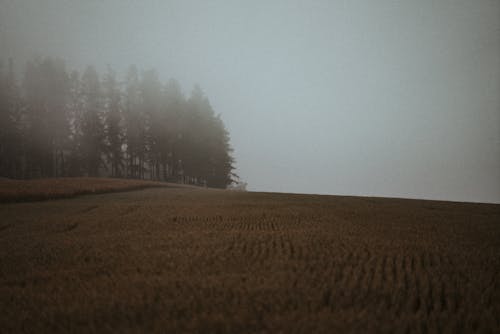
[12, 190]
[200, 260]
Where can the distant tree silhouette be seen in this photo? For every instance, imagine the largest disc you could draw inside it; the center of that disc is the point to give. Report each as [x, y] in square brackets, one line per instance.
[134, 125]
[10, 132]
[93, 135]
[173, 119]
[113, 123]
[76, 113]
[153, 125]
[46, 121]
[57, 124]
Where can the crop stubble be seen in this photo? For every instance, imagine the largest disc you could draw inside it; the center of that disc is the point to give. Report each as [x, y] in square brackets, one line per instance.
[219, 261]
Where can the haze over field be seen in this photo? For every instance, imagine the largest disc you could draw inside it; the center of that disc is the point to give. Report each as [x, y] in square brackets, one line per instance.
[340, 97]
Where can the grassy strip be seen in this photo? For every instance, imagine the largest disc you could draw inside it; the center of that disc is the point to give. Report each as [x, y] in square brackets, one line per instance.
[55, 188]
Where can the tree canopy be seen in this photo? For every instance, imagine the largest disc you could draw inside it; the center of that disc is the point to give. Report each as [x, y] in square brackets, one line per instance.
[59, 123]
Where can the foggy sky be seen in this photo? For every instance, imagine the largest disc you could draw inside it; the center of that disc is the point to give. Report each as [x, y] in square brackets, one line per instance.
[384, 98]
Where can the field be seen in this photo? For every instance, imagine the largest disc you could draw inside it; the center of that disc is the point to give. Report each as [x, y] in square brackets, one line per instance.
[199, 260]
[45, 189]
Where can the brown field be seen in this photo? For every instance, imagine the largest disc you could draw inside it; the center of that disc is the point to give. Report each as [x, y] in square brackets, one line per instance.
[194, 260]
[45, 189]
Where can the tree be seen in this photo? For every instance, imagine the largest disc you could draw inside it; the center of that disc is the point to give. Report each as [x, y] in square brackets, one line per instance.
[220, 161]
[113, 123]
[76, 112]
[10, 132]
[93, 135]
[134, 125]
[173, 119]
[57, 124]
[45, 88]
[206, 150]
[153, 122]
[57, 104]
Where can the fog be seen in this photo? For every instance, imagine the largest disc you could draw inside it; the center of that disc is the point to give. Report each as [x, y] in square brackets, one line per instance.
[385, 98]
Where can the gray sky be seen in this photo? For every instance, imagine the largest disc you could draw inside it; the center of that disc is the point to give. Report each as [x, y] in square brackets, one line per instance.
[385, 98]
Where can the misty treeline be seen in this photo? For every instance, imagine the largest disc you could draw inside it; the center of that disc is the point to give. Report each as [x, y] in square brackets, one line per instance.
[55, 123]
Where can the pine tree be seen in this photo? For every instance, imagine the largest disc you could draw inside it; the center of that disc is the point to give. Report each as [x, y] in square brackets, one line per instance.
[221, 161]
[113, 123]
[57, 106]
[93, 135]
[45, 88]
[75, 110]
[134, 125]
[151, 107]
[60, 125]
[173, 118]
[10, 119]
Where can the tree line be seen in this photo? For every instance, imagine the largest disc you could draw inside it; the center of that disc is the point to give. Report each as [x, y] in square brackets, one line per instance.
[55, 123]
